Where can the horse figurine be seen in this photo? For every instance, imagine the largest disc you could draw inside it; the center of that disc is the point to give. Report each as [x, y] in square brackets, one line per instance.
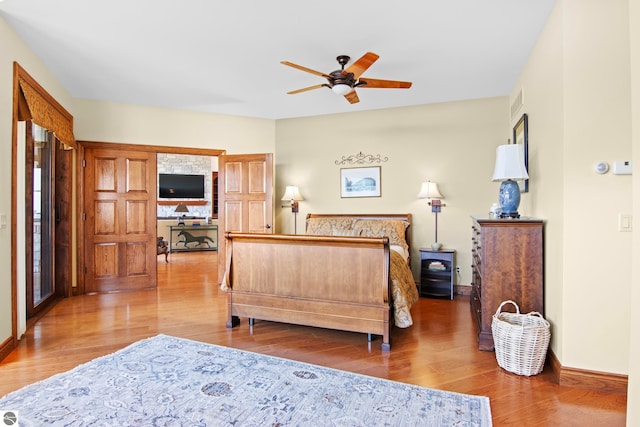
[190, 238]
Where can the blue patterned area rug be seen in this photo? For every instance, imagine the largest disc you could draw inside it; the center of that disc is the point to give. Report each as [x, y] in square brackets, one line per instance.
[168, 381]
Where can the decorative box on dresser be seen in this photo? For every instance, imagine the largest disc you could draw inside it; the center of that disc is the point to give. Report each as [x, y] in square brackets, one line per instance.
[507, 265]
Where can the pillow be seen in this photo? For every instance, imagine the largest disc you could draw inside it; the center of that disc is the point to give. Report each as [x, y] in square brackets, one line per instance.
[402, 251]
[337, 232]
[326, 226]
[394, 229]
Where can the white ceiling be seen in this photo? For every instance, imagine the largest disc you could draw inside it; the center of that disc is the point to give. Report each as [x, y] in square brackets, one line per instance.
[224, 56]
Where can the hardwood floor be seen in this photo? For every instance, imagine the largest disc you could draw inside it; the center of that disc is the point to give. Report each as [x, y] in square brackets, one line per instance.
[438, 351]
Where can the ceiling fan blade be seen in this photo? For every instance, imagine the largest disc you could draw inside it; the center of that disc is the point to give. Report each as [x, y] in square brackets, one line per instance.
[362, 64]
[352, 97]
[308, 70]
[293, 92]
[378, 83]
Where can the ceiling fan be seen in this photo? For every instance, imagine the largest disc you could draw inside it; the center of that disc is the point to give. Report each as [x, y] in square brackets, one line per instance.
[343, 82]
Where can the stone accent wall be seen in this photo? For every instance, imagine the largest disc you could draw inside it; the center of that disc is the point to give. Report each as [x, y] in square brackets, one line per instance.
[186, 164]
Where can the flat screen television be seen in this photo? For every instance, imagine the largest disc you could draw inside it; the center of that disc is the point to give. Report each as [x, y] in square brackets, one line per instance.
[180, 186]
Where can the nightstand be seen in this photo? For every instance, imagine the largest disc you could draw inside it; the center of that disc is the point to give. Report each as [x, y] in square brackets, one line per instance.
[436, 273]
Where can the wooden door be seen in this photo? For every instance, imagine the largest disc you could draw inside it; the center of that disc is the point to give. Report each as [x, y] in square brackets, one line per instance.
[63, 196]
[245, 198]
[120, 220]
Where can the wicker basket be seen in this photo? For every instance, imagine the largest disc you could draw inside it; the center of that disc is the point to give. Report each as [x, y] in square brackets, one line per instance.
[520, 340]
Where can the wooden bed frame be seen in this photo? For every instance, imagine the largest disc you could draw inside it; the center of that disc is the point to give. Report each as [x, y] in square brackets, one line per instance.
[323, 281]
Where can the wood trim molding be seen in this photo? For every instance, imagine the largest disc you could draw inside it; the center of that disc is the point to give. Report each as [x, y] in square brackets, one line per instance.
[464, 290]
[186, 202]
[582, 378]
[80, 236]
[154, 148]
[43, 109]
[7, 346]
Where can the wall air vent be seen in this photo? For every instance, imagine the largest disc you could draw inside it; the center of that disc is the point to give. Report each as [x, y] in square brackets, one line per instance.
[517, 103]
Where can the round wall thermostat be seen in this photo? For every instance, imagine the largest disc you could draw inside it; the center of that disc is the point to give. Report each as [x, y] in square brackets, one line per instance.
[602, 167]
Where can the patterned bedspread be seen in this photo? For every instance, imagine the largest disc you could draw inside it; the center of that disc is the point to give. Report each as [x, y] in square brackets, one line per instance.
[403, 290]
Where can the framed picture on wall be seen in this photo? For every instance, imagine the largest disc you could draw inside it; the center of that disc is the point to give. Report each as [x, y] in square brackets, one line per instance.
[360, 182]
[521, 136]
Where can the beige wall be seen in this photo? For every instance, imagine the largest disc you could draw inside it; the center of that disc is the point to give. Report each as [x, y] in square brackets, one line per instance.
[597, 127]
[541, 83]
[576, 85]
[633, 410]
[136, 124]
[452, 144]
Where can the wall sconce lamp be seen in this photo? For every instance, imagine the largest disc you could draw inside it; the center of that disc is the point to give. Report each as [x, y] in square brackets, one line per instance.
[181, 209]
[509, 169]
[429, 190]
[293, 194]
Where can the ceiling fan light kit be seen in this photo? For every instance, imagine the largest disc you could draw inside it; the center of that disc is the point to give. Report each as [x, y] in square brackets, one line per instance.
[341, 89]
[343, 82]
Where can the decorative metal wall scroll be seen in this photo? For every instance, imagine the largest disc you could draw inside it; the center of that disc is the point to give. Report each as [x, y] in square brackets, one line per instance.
[361, 159]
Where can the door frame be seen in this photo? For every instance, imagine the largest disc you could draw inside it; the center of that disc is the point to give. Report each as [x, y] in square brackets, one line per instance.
[80, 289]
[21, 113]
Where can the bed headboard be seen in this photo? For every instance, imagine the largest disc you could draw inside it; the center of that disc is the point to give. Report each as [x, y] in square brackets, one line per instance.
[404, 217]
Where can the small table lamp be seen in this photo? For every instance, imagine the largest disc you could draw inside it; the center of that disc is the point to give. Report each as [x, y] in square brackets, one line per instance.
[429, 190]
[509, 169]
[292, 193]
[181, 209]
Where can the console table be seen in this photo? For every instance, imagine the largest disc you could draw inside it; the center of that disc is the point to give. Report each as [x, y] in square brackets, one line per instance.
[193, 238]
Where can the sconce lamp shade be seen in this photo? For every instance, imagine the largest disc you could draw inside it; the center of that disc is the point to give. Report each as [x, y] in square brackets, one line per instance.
[510, 163]
[181, 208]
[429, 190]
[292, 193]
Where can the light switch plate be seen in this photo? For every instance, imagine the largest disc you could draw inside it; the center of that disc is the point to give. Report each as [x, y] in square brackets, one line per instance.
[3, 220]
[624, 222]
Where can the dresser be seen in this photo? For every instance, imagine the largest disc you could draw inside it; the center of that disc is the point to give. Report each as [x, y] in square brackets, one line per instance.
[507, 264]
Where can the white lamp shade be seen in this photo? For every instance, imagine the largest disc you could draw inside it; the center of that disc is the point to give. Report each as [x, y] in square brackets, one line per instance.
[292, 193]
[429, 190]
[510, 163]
[341, 89]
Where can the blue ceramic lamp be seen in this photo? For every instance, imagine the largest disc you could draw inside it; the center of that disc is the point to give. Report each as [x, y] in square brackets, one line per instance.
[509, 169]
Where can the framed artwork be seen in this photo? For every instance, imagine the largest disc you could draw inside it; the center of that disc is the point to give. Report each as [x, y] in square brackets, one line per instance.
[360, 182]
[520, 136]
